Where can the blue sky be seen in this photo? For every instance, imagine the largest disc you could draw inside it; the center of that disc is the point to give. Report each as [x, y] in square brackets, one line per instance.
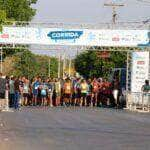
[89, 11]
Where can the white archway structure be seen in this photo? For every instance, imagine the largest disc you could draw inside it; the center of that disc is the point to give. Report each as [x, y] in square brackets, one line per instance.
[128, 34]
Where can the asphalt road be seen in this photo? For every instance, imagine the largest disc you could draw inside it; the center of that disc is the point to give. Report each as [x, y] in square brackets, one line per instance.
[74, 129]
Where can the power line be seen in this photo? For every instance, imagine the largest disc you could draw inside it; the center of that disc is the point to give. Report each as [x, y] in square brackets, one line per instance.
[144, 1]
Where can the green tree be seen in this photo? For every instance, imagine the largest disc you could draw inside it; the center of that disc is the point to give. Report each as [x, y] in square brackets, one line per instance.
[118, 58]
[2, 18]
[25, 65]
[89, 64]
[53, 67]
[86, 64]
[15, 10]
[19, 10]
[31, 65]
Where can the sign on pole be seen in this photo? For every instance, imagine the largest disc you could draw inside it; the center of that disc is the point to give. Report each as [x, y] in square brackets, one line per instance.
[140, 70]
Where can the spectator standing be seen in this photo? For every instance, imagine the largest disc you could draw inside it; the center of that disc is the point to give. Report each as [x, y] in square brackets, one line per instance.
[17, 93]
[58, 91]
[67, 90]
[35, 86]
[2, 90]
[44, 92]
[95, 85]
[26, 91]
[89, 93]
[146, 90]
[11, 92]
[116, 92]
[84, 91]
[21, 84]
[2, 86]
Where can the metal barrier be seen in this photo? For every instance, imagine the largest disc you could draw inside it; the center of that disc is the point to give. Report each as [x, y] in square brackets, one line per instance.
[139, 101]
[4, 103]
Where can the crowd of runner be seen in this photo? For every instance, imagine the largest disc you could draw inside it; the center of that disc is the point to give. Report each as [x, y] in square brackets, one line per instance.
[67, 92]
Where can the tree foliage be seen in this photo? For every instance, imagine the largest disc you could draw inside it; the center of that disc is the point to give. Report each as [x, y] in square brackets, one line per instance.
[31, 65]
[2, 18]
[90, 65]
[15, 10]
[26, 63]
[19, 10]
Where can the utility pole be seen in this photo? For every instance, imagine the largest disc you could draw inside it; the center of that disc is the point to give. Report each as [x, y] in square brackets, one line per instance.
[114, 13]
[70, 63]
[1, 59]
[64, 64]
[49, 68]
[59, 63]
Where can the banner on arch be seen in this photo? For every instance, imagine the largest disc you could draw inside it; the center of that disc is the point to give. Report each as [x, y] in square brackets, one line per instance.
[76, 37]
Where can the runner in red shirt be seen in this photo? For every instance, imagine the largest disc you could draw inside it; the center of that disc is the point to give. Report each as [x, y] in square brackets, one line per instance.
[95, 85]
